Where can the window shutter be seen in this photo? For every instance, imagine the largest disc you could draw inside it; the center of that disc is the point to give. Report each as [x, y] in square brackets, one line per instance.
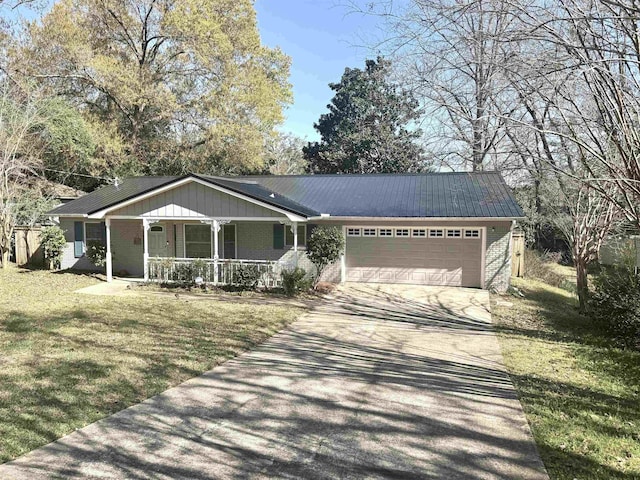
[310, 228]
[278, 236]
[78, 239]
[103, 233]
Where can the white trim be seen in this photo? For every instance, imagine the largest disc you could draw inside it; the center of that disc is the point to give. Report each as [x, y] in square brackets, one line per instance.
[483, 264]
[109, 259]
[343, 260]
[476, 229]
[198, 219]
[211, 241]
[69, 215]
[178, 183]
[291, 230]
[424, 219]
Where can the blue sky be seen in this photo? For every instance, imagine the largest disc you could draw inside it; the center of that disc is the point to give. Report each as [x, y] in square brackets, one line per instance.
[322, 40]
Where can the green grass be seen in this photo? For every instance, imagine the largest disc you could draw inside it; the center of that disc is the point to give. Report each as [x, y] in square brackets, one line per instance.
[68, 359]
[580, 393]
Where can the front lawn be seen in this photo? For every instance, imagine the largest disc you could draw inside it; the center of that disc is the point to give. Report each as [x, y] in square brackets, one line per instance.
[68, 359]
[581, 395]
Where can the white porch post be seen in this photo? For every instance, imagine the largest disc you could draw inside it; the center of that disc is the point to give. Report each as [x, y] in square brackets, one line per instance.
[294, 230]
[215, 228]
[145, 255]
[107, 224]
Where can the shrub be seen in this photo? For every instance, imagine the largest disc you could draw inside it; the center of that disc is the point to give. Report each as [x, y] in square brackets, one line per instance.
[537, 265]
[53, 242]
[97, 253]
[324, 247]
[615, 303]
[246, 276]
[295, 281]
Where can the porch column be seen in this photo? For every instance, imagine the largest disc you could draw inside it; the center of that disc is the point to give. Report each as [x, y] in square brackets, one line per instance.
[294, 230]
[145, 242]
[107, 224]
[215, 228]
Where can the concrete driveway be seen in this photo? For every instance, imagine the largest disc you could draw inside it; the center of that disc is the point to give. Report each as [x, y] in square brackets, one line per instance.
[382, 382]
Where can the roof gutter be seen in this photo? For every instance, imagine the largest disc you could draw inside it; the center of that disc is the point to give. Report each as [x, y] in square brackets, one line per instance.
[421, 219]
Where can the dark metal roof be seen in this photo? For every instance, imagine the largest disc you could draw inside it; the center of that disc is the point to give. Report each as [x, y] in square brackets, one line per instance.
[437, 195]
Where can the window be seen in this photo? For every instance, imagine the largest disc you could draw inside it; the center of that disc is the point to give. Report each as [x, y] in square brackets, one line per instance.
[436, 233]
[157, 228]
[454, 233]
[94, 232]
[419, 232]
[402, 232]
[197, 241]
[385, 232]
[302, 235]
[369, 232]
[353, 232]
[472, 233]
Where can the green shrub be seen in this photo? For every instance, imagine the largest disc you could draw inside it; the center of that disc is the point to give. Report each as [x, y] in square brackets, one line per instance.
[246, 276]
[97, 253]
[53, 242]
[324, 247]
[295, 281]
[615, 302]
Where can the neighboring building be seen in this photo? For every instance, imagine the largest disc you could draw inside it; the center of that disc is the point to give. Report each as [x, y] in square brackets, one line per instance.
[433, 229]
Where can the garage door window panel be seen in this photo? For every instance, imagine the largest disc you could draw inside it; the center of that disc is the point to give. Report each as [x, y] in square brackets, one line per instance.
[436, 233]
[471, 233]
[419, 232]
[353, 232]
[454, 233]
[369, 232]
[402, 232]
[385, 232]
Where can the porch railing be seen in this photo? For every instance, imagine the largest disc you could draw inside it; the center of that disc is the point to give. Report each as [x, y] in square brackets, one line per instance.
[220, 272]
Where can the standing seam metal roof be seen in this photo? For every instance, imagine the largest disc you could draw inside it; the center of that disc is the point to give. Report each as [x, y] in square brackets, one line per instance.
[437, 195]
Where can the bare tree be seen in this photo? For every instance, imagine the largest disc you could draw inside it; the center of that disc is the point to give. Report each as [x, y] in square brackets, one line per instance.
[452, 54]
[20, 144]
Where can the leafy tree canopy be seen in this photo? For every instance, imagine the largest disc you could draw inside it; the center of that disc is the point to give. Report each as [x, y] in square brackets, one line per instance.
[172, 85]
[369, 126]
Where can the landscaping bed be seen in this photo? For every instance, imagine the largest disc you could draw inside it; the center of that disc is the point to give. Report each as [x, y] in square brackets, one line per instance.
[580, 392]
[67, 359]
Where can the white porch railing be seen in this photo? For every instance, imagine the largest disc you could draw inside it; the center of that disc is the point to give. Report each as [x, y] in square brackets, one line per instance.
[220, 272]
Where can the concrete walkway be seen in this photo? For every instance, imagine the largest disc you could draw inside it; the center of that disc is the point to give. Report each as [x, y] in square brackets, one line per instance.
[382, 382]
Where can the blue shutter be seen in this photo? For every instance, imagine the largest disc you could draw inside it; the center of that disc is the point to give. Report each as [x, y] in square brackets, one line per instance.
[78, 239]
[278, 236]
[103, 233]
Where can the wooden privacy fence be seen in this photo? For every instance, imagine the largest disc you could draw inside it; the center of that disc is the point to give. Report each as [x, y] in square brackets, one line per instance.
[517, 254]
[27, 246]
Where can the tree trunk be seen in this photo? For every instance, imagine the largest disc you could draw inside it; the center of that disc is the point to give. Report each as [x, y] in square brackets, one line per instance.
[5, 258]
[582, 283]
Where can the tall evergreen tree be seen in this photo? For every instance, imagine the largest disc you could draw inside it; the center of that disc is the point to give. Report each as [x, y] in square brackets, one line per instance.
[369, 126]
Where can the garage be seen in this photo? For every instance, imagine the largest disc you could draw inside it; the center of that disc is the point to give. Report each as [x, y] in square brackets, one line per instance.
[448, 256]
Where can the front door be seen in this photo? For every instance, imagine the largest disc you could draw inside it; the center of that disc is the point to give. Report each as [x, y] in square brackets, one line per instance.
[229, 244]
[157, 241]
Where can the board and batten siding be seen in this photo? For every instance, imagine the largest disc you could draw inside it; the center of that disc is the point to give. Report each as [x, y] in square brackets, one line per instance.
[197, 201]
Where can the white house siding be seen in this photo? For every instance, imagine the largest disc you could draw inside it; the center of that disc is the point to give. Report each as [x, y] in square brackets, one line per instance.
[197, 201]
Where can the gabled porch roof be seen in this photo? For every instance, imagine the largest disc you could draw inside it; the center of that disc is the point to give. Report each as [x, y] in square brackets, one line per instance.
[109, 198]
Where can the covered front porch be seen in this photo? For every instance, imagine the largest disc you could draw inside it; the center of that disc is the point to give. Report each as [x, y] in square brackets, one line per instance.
[211, 250]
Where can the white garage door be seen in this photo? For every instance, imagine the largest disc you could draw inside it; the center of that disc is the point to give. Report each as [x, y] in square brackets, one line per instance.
[426, 256]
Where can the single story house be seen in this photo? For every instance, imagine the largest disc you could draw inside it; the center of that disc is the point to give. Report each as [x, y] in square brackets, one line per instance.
[429, 228]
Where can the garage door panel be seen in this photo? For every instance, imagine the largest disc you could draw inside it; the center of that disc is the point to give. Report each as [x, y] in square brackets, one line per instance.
[442, 261]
